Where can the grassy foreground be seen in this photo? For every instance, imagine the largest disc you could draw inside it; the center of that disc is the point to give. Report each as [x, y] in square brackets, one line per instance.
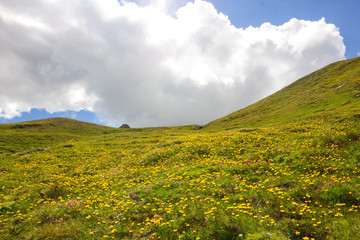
[299, 180]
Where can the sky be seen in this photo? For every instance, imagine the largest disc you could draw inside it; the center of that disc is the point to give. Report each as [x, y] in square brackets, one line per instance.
[161, 62]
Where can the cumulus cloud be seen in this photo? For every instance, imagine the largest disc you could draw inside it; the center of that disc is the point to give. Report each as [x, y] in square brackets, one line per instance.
[140, 65]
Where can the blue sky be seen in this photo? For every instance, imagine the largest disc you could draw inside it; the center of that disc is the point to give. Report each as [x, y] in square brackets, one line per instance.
[113, 82]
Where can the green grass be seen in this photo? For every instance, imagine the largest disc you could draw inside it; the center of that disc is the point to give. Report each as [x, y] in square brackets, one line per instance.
[283, 177]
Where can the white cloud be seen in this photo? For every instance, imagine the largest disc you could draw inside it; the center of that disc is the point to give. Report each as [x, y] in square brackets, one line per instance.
[144, 67]
[358, 53]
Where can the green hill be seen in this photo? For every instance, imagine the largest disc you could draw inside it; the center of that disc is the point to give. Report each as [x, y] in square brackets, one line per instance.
[332, 90]
[39, 134]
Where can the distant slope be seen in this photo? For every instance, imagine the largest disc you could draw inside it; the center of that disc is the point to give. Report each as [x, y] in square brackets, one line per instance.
[332, 90]
[32, 135]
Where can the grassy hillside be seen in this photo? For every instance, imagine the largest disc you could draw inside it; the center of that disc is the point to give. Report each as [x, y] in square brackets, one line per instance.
[255, 180]
[39, 134]
[329, 91]
[293, 181]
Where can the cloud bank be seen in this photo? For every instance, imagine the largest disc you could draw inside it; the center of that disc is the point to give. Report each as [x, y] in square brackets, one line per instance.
[139, 65]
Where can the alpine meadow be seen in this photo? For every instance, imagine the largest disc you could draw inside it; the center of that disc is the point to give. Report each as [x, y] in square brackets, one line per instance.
[286, 167]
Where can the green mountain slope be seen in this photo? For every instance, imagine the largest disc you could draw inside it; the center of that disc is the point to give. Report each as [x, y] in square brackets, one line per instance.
[40, 134]
[332, 90]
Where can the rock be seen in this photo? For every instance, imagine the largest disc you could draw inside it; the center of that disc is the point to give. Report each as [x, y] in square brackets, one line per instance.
[124, 126]
[42, 149]
[68, 146]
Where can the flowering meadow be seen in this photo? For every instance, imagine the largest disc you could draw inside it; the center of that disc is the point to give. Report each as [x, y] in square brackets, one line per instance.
[298, 180]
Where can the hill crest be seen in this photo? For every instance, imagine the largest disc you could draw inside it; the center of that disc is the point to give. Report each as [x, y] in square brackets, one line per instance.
[332, 90]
